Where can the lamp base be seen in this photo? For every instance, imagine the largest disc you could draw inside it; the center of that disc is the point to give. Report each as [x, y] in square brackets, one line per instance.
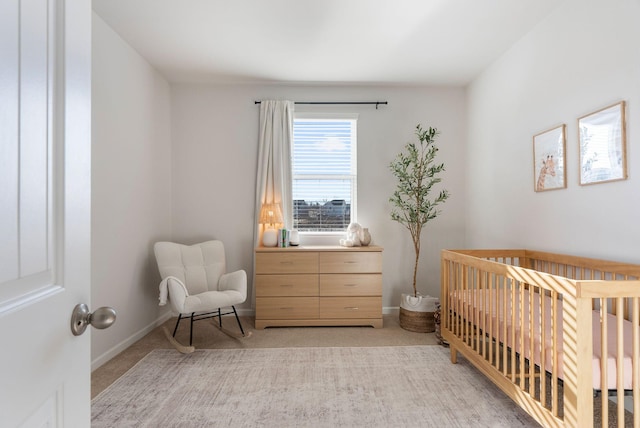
[270, 238]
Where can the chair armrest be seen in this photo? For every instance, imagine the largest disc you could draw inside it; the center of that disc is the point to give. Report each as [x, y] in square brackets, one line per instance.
[234, 281]
[177, 293]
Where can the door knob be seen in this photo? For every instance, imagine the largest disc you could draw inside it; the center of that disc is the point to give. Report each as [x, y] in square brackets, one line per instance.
[100, 318]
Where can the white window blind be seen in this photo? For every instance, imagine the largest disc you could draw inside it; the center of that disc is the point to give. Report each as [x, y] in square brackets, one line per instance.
[324, 172]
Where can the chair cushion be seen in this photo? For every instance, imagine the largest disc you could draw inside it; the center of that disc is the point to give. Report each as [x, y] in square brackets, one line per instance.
[198, 266]
[204, 302]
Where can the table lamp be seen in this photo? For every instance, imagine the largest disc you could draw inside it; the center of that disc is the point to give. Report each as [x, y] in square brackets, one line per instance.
[270, 214]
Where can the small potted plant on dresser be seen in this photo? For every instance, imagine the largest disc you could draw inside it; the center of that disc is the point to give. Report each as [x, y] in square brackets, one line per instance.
[413, 206]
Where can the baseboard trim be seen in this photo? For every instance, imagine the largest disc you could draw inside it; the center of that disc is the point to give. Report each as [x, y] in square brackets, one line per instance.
[246, 312]
[391, 310]
[105, 357]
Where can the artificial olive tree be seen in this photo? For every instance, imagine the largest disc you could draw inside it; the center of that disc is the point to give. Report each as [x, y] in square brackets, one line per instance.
[417, 173]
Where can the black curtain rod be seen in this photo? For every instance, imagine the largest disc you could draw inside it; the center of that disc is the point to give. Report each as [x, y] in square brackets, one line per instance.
[377, 103]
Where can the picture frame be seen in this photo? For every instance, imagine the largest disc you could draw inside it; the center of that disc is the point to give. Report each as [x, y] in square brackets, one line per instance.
[603, 145]
[549, 162]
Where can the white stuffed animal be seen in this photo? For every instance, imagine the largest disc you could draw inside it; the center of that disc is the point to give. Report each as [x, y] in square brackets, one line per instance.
[354, 231]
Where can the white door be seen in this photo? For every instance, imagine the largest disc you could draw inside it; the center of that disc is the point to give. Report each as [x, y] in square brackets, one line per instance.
[45, 173]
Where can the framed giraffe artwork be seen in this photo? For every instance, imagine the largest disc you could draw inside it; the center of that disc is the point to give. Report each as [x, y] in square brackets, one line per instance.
[603, 143]
[549, 164]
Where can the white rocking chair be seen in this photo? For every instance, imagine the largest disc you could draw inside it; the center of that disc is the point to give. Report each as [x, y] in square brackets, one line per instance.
[195, 281]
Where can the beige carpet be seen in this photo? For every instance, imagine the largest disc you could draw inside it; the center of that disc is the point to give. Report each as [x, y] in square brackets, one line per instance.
[205, 336]
[399, 386]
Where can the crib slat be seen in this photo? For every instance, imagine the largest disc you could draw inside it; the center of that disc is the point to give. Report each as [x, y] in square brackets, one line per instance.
[554, 355]
[521, 312]
[604, 381]
[454, 301]
[457, 301]
[460, 302]
[447, 299]
[485, 311]
[465, 314]
[620, 361]
[626, 302]
[530, 327]
[513, 330]
[635, 318]
[479, 330]
[543, 350]
[505, 317]
[463, 307]
[491, 289]
[469, 308]
[450, 293]
[476, 313]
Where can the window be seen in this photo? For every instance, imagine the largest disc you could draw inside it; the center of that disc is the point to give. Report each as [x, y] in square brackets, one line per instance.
[324, 172]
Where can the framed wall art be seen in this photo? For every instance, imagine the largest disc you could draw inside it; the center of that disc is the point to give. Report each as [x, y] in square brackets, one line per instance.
[603, 145]
[549, 164]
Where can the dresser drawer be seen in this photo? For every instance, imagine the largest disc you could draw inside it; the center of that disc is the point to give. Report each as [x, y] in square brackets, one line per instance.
[351, 262]
[286, 262]
[285, 308]
[350, 284]
[286, 285]
[350, 307]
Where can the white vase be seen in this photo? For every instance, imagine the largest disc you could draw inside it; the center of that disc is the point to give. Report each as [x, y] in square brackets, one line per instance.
[365, 237]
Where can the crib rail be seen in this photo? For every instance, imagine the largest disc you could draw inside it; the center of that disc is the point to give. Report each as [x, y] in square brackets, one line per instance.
[521, 316]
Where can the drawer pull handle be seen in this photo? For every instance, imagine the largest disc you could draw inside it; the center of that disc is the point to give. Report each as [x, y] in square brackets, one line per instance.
[350, 285]
[351, 308]
[286, 285]
[286, 309]
[286, 263]
[350, 261]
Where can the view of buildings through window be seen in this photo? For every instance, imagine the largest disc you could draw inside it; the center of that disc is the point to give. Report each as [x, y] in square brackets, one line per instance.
[324, 173]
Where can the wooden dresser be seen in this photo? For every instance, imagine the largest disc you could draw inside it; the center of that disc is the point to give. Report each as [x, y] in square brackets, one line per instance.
[318, 286]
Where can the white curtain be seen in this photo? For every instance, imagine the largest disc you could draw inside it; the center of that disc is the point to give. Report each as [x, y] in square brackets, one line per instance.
[273, 181]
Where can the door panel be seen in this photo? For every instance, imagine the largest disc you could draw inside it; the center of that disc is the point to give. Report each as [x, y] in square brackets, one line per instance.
[27, 215]
[9, 143]
[34, 207]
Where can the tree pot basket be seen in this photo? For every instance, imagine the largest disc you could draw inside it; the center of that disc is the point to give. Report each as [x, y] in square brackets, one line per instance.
[417, 313]
[420, 322]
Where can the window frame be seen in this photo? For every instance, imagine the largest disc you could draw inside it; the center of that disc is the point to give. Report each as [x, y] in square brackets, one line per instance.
[320, 116]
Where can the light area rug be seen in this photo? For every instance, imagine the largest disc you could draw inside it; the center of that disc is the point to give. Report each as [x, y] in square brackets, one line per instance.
[408, 386]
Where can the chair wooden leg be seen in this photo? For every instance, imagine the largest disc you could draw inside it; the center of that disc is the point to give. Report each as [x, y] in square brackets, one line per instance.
[220, 317]
[177, 324]
[238, 319]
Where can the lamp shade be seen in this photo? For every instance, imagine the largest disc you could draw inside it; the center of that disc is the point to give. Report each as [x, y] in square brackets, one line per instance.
[270, 214]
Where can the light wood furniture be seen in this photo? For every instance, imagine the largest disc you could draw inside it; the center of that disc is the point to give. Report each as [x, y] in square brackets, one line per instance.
[318, 286]
[581, 309]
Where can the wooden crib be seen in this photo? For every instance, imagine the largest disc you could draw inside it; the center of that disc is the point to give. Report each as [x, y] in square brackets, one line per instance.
[537, 324]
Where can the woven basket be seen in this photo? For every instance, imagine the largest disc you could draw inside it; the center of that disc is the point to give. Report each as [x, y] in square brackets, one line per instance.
[420, 322]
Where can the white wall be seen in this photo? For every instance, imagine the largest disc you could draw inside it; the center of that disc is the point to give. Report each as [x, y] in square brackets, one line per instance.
[584, 56]
[131, 187]
[214, 137]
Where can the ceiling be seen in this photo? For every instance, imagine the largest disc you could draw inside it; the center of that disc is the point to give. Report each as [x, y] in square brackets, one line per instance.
[410, 42]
